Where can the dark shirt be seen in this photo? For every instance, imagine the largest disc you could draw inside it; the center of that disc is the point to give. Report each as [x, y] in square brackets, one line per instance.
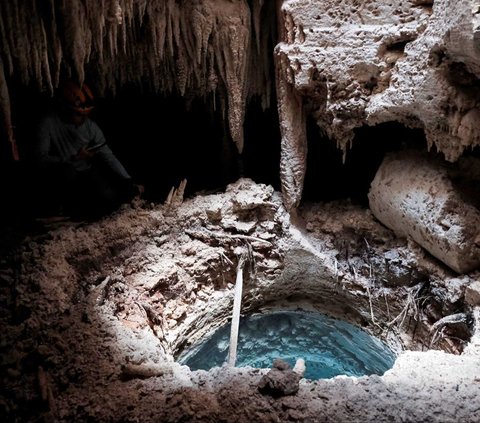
[58, 141]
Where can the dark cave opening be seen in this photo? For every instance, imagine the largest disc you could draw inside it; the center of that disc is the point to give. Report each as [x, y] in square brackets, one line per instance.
[261, 153]
[159, 139]
[163, 140]
[328, 178]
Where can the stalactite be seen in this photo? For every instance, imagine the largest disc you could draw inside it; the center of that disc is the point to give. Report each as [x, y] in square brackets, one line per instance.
[5, 112]
[196, 47]
[293, 161]
[19, 47]
[54, 48]
[236, 37]
[47, 75]
[4, 41]
[257, 6]
[260, 77]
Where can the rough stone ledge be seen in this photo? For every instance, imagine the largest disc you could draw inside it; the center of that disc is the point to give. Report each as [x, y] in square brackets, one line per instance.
[413, 195]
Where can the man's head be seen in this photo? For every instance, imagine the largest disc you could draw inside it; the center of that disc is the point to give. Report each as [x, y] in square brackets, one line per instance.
[77, 100]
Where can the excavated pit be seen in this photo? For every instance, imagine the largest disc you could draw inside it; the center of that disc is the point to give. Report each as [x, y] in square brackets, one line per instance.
[93, 315]
[101, 310]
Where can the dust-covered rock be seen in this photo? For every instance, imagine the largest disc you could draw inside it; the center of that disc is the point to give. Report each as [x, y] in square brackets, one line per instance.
[280, 380]
[414, 196]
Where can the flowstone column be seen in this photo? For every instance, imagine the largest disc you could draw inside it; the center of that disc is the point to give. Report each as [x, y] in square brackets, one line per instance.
[293, 157]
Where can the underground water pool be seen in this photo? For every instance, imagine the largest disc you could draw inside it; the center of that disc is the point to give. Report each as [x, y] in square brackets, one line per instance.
[329, 347]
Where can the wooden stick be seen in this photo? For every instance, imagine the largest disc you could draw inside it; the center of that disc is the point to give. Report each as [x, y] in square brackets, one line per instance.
[237, 304]
[5, 108]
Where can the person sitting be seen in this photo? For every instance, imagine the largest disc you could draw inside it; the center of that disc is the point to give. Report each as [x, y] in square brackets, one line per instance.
[77, 166]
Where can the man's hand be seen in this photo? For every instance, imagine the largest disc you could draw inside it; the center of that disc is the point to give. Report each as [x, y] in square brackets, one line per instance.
[83, 154]
[131, 190]
[140, 190]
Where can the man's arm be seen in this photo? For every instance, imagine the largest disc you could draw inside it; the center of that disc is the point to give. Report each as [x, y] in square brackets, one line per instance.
[102, 151]
[99, 149]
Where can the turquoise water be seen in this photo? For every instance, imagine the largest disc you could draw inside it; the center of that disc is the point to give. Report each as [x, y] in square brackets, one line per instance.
[329, 347]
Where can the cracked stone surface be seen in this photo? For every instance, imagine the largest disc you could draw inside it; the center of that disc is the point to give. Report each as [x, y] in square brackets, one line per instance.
[352, 63]
[415, 196]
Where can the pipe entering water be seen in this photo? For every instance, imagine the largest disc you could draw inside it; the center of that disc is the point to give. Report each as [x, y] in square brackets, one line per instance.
[329, 347]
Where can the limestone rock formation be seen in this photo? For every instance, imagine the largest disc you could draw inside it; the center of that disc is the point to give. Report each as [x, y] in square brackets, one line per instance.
[352, 63]
[346, 63]
[472, 294]
[95, 314]
[414, 196]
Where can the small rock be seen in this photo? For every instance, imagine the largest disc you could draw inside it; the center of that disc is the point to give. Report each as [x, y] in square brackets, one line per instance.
[214, 211]
[472, 294]
[280, 364]
[299, 367]
[279, 381]
[240, 227]
[144, 371]
[295, 415]
[266, 235]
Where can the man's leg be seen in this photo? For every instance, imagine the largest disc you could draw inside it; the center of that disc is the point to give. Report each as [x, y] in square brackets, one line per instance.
[99, 196]
[54, 188]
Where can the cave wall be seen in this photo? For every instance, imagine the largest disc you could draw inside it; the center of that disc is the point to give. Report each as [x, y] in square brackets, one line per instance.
[349, 63]
[346, 63]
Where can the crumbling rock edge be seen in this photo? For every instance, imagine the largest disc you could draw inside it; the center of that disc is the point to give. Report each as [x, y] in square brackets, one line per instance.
[350, 64]
[100, 311]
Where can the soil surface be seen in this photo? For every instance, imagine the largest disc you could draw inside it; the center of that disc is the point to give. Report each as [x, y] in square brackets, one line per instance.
[94, 314]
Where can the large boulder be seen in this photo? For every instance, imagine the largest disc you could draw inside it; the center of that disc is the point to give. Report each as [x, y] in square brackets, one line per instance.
[414, 195]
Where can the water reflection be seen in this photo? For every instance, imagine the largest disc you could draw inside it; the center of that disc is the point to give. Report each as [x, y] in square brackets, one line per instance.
[329, 347]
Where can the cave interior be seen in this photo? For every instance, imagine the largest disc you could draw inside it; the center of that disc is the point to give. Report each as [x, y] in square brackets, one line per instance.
[163, 139]
[177, 102]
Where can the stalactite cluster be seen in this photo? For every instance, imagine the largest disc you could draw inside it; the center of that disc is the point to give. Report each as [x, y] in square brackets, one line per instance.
[191, 47]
